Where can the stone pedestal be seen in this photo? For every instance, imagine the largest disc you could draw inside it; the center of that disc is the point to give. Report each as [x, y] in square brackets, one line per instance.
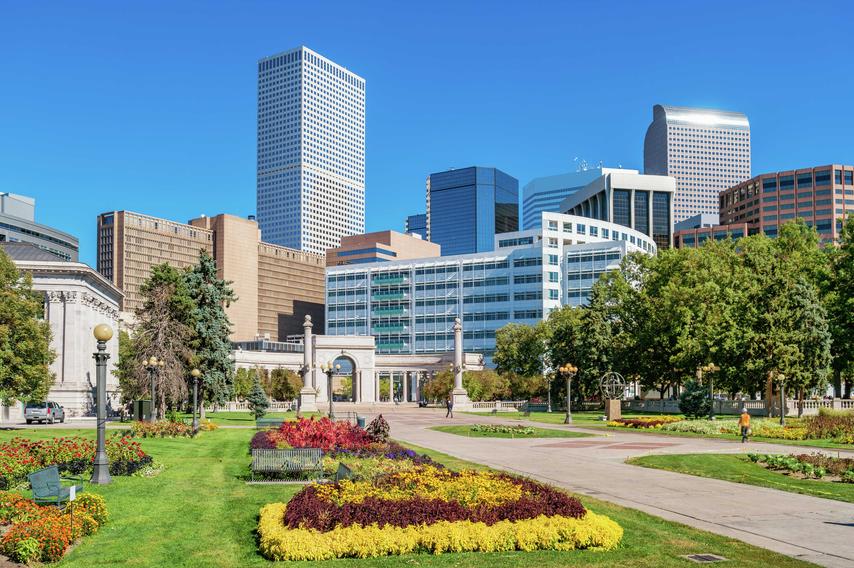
[307, 400]
[460, 398]
[613, 409]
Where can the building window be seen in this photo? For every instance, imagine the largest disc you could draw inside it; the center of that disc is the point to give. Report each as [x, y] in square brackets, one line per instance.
[622, 207]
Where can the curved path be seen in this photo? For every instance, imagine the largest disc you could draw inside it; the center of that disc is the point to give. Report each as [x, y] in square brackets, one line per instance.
[809, 528]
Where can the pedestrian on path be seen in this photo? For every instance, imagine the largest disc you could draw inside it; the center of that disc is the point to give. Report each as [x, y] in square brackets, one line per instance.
[744, 424]
[449, 404]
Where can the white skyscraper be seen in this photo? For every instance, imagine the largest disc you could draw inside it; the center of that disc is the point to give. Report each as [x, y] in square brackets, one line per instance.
[311, 151]
[706, 150]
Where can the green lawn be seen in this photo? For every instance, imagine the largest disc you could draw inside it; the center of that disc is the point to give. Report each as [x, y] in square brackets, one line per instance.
[538, 433]
[245, 418]
[199, 512]
[590, 419]
[739, 469]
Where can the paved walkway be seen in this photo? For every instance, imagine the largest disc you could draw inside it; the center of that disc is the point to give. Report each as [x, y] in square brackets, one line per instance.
[809, 528]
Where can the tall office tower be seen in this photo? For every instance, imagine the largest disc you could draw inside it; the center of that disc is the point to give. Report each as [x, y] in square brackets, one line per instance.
[18, 225]
[706, 150]
[311, 151]
[545, 194]
[416, 224]
[466, 208]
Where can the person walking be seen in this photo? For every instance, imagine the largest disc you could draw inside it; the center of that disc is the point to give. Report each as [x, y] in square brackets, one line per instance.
[449, 404]
[744, 424]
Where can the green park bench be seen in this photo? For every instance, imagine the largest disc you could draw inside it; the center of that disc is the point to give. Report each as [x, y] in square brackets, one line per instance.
[262, 423]
[530, 407]
[287, 461]
[48, 489]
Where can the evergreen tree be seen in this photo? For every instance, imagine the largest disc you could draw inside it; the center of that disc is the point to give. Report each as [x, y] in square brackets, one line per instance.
[694, 402]
[211, 296]
[257, 399]
[25, 354]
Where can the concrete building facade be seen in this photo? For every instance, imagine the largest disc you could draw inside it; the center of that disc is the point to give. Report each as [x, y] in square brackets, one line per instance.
[705, 150]
[409, 306]
[76, 299]
[311, 151]
[272, 283]
[18, 225]
[630, 199]
[379, 247]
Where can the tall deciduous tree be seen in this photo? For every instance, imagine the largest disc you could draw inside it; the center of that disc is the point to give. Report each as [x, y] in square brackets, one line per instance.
[210, 296]
[25, 353]
[841, 305]
[163, 331]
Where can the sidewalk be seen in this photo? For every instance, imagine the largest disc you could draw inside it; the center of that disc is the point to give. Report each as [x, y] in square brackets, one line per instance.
[809, 528]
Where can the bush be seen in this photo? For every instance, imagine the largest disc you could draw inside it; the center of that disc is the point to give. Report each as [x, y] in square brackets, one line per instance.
[257, 400]
[694, 401]
[27, 550]
[162, 429]
[208, 425]
[644, 422]
[53, 535]
[833, 425]
[378, 429]
[91, 504]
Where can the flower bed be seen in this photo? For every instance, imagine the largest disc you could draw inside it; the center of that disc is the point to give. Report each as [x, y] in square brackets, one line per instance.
[762, 427]
[310, 433]
[517, 430]
[20, 457]
[644, 422]
[809, 466]
[429, 509]
[162, 429]
[44, 533]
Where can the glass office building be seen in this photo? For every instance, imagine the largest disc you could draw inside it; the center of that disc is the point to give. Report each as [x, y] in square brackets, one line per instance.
[466, 208]
[545, 194]
[409, 306]
[416, 225]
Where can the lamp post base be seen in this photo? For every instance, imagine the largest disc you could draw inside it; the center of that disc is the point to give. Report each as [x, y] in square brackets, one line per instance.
[101, 471]
[308, 400]
[460, 398]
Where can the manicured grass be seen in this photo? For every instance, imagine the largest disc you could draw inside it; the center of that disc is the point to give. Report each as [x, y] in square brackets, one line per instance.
[591, 419]
[199, 512]
[537, 433]
[739, 469]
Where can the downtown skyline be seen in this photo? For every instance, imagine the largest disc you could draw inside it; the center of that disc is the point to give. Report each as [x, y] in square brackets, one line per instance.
[133, 130]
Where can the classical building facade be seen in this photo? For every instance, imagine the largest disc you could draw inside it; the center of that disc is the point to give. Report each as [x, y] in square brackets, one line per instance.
[76, 299]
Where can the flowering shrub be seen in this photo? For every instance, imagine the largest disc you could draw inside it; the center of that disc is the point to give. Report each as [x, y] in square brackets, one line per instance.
[44, 532]
[20, 456]
[378, 429]
[279, 542]
[325, 434]
[517, 430]
[644, 422]
[837, 426]
[162, 429]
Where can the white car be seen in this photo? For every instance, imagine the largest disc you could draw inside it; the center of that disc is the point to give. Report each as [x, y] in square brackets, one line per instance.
[40, 412]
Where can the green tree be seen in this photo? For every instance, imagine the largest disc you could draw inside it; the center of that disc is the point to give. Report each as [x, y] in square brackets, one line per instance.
[242, 383]
[126, 368]
[25, 353]
[519, 349]
[694, 402]
[439, 386]
[211, 295]
[285, 384]
[163, 331]
[485, 385]
[840, 303]
[258, 402]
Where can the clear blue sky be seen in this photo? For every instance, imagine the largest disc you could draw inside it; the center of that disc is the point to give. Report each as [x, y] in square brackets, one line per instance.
[150, 106]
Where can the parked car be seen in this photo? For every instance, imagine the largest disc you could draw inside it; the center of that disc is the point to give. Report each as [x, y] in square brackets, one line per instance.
[40, 412]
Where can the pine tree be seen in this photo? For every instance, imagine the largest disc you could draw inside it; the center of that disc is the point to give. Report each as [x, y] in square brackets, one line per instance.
[25, 353]
[257, 399]
[212, 347]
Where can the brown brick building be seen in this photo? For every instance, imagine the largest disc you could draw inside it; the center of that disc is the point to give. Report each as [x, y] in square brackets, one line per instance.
[380, 246]
[276, 286]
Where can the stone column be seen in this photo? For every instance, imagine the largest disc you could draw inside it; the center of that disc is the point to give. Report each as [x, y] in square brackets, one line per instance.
[459, 396]
[407, 376]
[376, 386]
[357, 388]
[307, 395]
[391, 386]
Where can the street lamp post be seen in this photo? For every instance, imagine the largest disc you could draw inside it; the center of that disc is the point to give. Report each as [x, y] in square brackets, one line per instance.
[101, 465]
[152, 365]
[330, 369]
[569, 370]
[710, 368]
[195, 374]
[782, 378]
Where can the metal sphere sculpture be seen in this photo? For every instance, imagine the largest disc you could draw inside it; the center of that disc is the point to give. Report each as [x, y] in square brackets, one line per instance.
[612, 385]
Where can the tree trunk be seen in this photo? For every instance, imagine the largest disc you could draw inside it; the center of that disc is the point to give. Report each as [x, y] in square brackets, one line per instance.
[201, 406]
[769, 397]
[847, 388]
[800, 403]
[661, 391]
[837, 383]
